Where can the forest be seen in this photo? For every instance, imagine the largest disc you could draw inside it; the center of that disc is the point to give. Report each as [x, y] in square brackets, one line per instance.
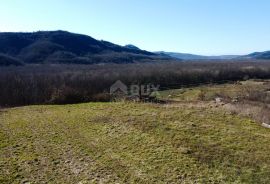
[66, 84]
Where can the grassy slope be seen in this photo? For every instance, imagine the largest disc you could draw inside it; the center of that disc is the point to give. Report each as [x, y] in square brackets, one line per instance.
[126, 142]
[210, 92]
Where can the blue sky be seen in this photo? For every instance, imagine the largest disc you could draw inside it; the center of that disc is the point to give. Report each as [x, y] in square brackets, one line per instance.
[209, 27]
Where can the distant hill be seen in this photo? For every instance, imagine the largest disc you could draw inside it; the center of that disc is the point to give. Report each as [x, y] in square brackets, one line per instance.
[257, 55]
[186, 56]
[62, 47]
[129, 46]
[68, 48]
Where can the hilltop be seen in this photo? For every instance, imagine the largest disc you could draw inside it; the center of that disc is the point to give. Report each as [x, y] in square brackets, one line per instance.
[258, 55]
[66, 48]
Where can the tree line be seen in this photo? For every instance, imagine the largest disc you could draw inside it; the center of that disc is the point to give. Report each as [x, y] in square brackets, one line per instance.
[64, 84]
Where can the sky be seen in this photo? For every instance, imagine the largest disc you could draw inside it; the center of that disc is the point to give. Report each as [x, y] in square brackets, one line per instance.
[207, 27]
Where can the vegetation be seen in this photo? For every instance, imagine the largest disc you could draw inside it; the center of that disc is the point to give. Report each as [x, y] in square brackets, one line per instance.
[229, 91]
[61, 47]
[62, 84]
[248, 98]
[131, 143]
[8, 61]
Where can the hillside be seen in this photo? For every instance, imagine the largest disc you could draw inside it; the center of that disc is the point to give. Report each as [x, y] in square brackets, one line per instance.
[8, 60]
[68, 48]
[186, 56]
[131, 143]
[258, 55]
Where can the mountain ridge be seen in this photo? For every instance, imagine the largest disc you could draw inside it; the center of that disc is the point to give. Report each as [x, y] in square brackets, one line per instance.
[188, 56]
[257, 55]
[63, 47]
[66, 48]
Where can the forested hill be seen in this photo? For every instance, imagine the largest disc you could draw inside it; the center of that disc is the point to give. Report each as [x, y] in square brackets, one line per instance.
[66, 48]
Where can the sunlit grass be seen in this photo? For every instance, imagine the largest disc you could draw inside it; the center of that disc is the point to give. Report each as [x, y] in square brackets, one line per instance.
[128, 142]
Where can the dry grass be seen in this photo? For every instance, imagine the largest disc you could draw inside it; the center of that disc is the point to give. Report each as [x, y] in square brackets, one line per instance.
[248, 98]
[131, 143]
[193, 140]
[256, 111]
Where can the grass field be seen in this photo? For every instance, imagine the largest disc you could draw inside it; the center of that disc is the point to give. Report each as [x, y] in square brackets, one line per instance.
[131, 143]
[210, 92]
